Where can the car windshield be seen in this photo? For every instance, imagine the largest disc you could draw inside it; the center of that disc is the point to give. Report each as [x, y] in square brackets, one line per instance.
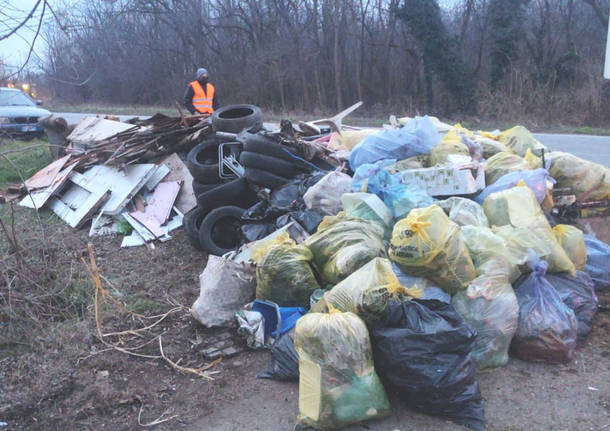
[14, 98]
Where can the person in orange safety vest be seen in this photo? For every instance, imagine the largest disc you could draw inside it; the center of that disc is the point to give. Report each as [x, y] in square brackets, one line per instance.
[200, 96]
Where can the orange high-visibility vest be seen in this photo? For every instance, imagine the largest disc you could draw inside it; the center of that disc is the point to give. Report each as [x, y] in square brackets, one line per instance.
[202, 101]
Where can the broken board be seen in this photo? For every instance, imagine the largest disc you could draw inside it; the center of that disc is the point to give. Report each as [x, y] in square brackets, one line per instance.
[159, 207]
[79, 201]
[186, 200]
[45, 177]
[93, 129]
[37, 199]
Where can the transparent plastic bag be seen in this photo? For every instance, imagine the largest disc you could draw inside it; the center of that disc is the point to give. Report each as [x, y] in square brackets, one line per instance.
[373, 177]
[366, 291]
[464, 212]
[419, 136]
[367, 206]
[519, 208]
[587, 180]
[325, 195]
[518, 140]
[427, 243]
[343, 244]
[573, 242]
[490, 146]
[504, 163]
[338, 385]
[547, 327]
[490, 307]
[491, 254]
[452, 143]
[284, 274]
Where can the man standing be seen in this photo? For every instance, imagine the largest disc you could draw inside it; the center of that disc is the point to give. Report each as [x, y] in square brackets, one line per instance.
[199, 96]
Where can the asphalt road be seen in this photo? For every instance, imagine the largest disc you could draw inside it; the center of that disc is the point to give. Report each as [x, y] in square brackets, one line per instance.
[594, 148]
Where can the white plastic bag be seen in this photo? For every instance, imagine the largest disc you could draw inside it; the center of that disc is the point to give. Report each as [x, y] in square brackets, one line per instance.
[225, 286]
[325, 195]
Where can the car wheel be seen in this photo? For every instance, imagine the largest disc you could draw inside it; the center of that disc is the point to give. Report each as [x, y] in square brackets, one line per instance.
[192, 221]
[268, 163]
[202, 162]
[264, 179]
[220, 230]
[235, 118]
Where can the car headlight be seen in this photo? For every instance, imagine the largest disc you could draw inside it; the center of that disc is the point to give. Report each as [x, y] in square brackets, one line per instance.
[4, 120]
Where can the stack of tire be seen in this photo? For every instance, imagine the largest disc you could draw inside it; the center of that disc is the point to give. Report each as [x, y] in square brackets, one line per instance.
[214, 225]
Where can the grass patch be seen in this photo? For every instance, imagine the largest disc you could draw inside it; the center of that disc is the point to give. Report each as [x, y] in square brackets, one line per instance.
[142, 305]
[29, 157]
[113, 109]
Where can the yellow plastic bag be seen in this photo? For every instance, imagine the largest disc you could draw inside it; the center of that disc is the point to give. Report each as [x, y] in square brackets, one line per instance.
[366, 291]
[489, 145]
[429, 244]
[338, 385]
[519, 140]
[519, 208]
[534, 161]
[259, 248]
[284, 274]
[573, 242]
[502, 164]
[491, 254]
[587, 180]
[450, 144]
[348, 139]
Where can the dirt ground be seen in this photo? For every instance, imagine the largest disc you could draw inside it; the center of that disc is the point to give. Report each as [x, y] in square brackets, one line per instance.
[61, 377]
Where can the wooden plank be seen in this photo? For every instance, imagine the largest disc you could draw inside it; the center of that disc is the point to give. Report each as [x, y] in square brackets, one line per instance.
[186, 200]
[45, 177]
[93, 129]
[37, 199]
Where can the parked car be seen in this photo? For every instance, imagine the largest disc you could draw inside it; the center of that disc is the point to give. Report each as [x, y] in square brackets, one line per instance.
[19, 114]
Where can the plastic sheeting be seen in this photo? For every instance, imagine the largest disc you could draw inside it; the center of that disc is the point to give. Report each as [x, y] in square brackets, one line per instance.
[344, 244]
[490, 307]
[419, 136]
[547, 327]
[427, 243]
[422, 351]
[338, 385]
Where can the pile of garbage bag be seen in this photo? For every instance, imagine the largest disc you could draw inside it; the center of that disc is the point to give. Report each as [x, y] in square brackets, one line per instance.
[414, 257]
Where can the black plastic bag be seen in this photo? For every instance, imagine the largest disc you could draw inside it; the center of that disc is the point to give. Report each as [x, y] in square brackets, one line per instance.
[255, 231]
[578, 293]
[423, 351]
[290, 196]
[598, 262]
[284, 360]
[309, 219]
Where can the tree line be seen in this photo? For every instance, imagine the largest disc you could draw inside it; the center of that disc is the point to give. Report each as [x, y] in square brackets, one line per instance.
[511, 59]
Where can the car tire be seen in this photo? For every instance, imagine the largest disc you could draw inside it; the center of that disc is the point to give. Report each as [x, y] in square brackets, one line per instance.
[264, 179]
[235, 193]
[219, 232]
[266, 146]
[199, 188]
[202, 162]
[235, 118]
[192, 222]
[268, 163]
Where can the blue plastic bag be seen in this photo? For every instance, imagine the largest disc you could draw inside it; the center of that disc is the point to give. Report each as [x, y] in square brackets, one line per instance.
[417, 137]
[598, 262]
[547, 327]
[402, 198]
[373, 177]
[535, 180]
